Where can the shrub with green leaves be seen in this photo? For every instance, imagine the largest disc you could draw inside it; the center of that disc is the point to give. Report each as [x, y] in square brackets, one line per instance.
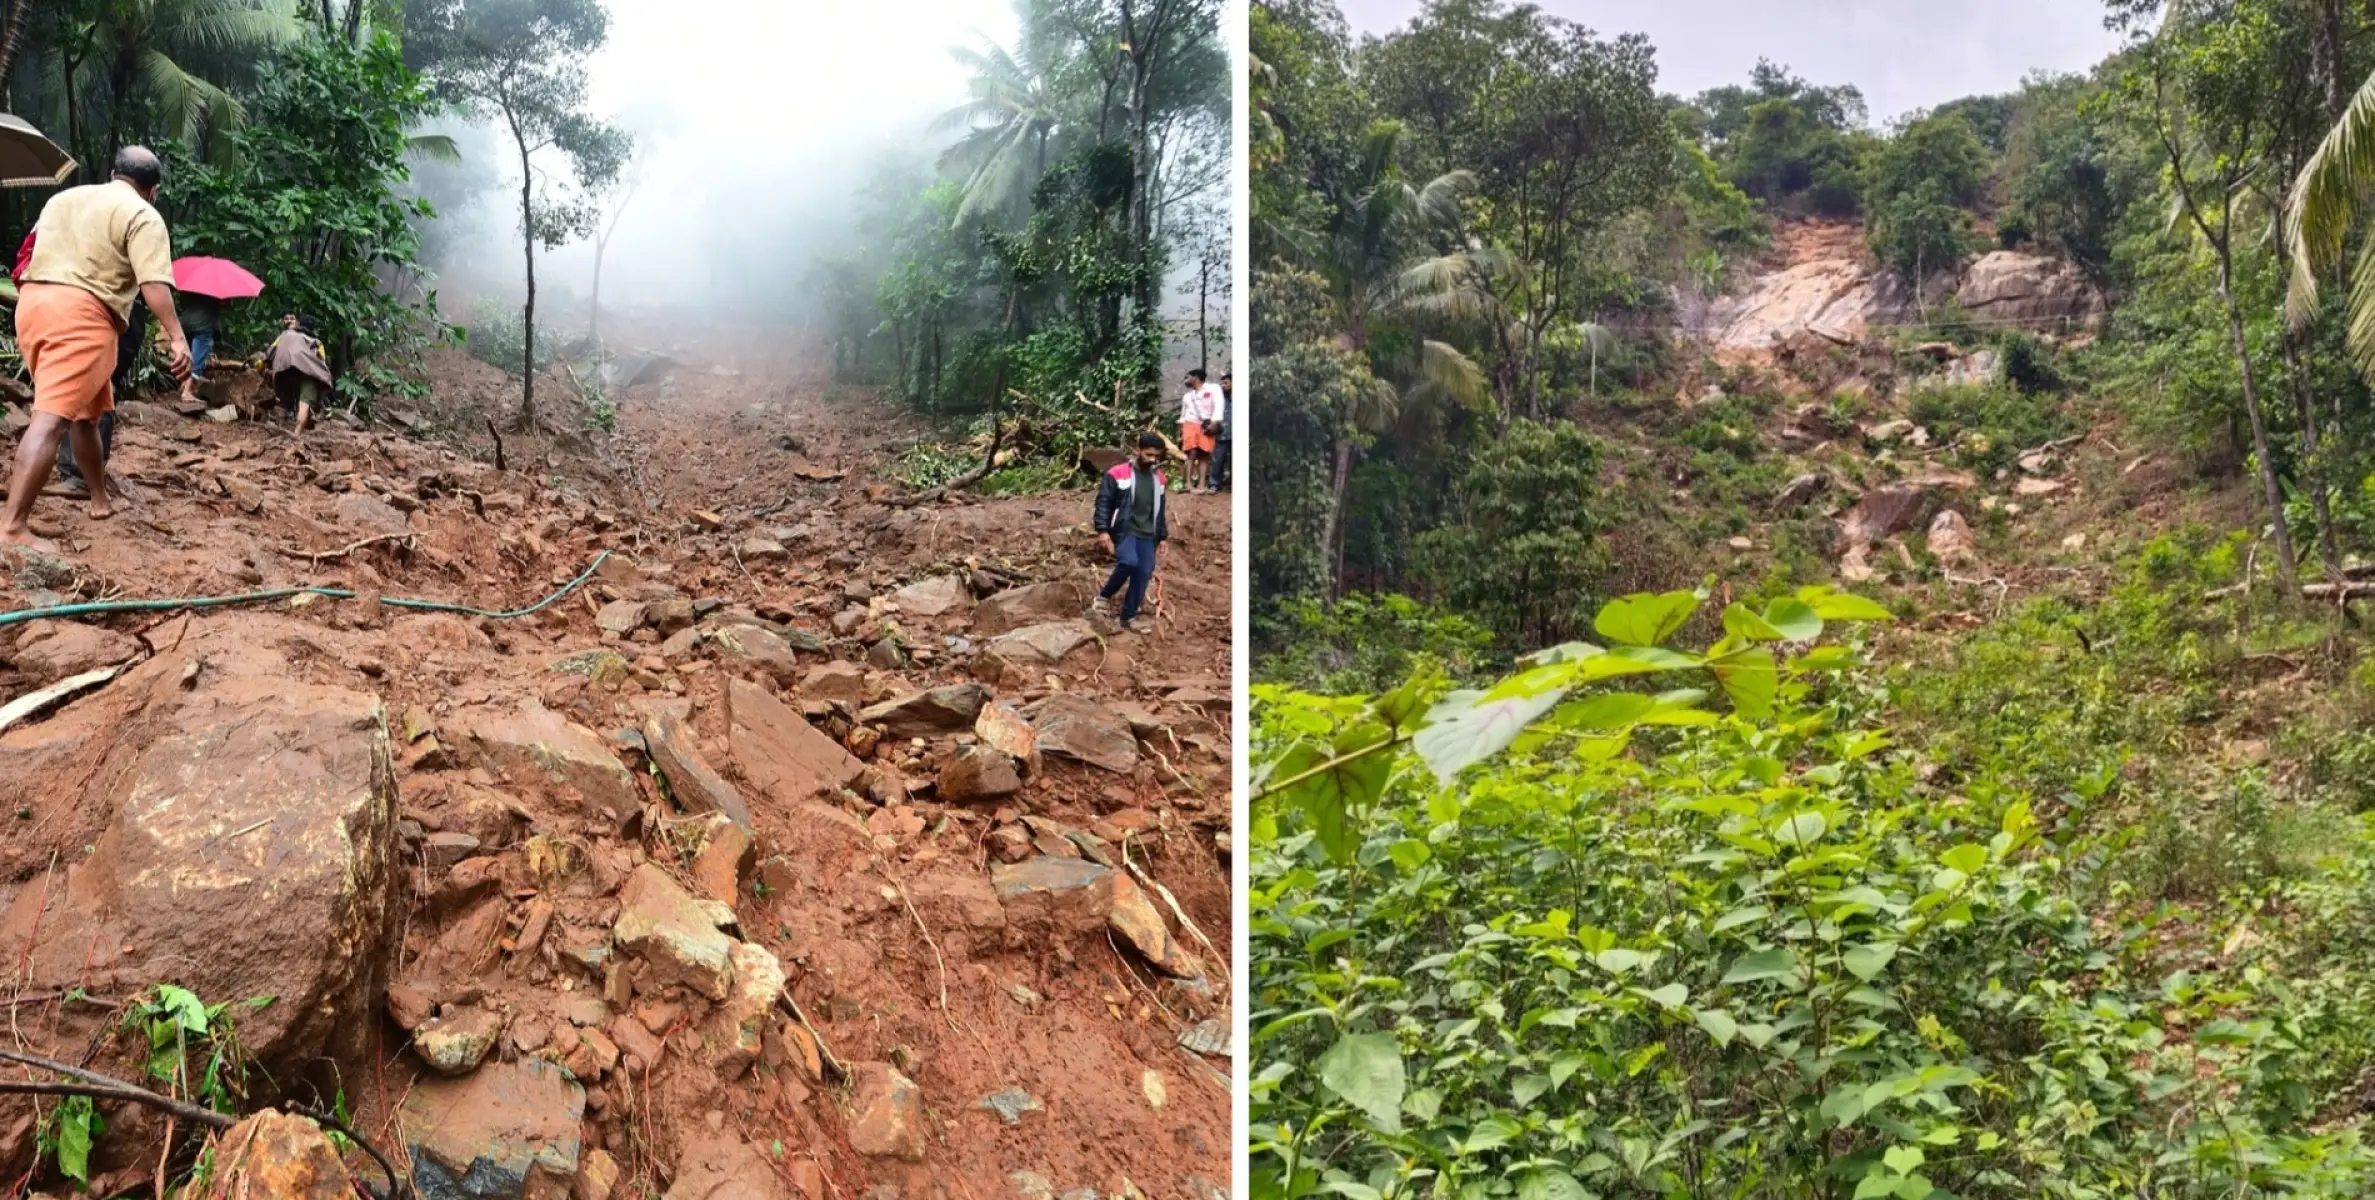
[1569, 937]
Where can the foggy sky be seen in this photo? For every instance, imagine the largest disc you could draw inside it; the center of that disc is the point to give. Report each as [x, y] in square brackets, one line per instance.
[1904, 54]
[759, 120]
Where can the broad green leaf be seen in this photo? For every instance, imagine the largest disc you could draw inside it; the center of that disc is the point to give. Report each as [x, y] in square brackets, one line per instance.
[1424, 1103]
[1409, 854]
[1341, 782]
[1801, 830]
[1824, 658]
[1796, 621]
[1550, 1185]
[183, 1006]
[1833, 605]
[1607, 710]
[1743, 623]
[1738, 917]
[1528, 1089]
[1749, 677]
[1492, 1133]
[1868, 960]
[78, 1124]
[1774, 963]
[1365, 1069]
[1645, 619]
[1967, 858]
[1673, 995]
[1618, 961]
[1401, 708]
[1904, 1160]
[1879, 1181]
[1565, 1066]
[1718, 1023]
[1465, 728]
[1357, 1191]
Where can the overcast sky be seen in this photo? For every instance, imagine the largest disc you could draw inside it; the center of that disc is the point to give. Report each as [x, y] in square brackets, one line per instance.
[1904, 54]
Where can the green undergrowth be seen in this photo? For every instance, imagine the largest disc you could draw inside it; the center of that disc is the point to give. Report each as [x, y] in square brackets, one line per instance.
[2075, 904]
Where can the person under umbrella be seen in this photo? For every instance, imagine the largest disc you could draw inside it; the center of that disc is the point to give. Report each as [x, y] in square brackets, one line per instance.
[207, 284]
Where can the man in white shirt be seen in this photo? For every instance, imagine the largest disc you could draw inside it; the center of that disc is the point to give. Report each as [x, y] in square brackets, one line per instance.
[1201, 410]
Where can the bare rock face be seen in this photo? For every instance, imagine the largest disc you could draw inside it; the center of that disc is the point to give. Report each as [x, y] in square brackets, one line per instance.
[787, 760]
[2009, 285]
[1838, 300]
[252, 853]
[691, 780]
[1881, 512]
[506, 1132]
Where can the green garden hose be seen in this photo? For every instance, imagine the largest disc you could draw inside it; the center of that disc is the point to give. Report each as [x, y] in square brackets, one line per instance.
[115, 606]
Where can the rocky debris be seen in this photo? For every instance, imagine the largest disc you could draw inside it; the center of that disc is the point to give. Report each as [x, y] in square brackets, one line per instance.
[282, 1156]
[1950, 539]
[509, 1131]
[741, 1021]
[929, 713]
[1030, 604]
[978, 774]
[886, 1113]
[1085, 729]
[252, 852]
[719, 1165]
[761, 549]
[1881, 512]
[934, 597]
[2012, 286]
[365, 513]
[622, 617]
[455, 1041]
[1800, 491]
[1899, 430]
[536, 742]
[961, 897]
[1078, 895]
[674, 935]
[597, 1177]
[838, 682]
[409, 1006]
[691, 780]
[780, 754]
[1208, 1037]
[727, 851]
[743, 645]
[1002, 729]
[1010, 1103]
[54, 650]
[2032, 486]
[1976, 369]
[1043, 644]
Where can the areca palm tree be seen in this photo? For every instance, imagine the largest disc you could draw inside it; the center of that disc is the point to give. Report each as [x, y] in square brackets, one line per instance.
[1012, 114]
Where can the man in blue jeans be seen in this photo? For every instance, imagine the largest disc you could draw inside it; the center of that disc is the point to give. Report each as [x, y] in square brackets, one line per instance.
[1130, 523]
[1228, 429]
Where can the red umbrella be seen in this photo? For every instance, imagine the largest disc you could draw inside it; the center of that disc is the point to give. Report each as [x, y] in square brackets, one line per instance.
[217, 277]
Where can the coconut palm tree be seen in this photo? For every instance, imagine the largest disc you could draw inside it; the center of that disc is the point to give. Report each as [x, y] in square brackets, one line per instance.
[1012, 115]
[1380, 219]
[2326, 198]
[111, 71]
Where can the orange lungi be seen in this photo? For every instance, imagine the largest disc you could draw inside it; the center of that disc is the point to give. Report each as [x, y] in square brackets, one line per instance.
[1193, 439]
[68, 337]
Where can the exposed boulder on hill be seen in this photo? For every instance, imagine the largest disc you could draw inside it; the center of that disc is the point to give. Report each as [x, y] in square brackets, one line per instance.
[2008, 285]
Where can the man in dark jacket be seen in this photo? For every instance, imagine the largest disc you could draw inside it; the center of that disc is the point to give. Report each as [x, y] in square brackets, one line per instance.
[1131, 522]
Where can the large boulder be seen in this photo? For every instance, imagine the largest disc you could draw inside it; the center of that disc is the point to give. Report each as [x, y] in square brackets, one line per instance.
[1085, 729]
[781, 755]
[1881, 512]
[2009, 285]
[535, 742]
[928, 714]
[508, 1131]
[937, 596]
[1030, 604]
[1044, 644]
[251, 853]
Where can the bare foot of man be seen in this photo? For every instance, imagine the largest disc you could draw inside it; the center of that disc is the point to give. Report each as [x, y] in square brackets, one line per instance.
[100, 509]
[28, 539]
